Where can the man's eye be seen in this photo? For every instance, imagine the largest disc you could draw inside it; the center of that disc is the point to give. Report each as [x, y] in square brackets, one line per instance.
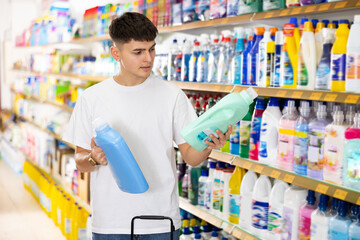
[152, 49]
[137, 53]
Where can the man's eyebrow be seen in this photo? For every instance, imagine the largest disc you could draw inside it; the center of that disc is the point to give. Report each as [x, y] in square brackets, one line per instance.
[143, 49]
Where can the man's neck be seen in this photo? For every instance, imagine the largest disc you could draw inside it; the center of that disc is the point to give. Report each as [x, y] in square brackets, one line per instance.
[128, 81]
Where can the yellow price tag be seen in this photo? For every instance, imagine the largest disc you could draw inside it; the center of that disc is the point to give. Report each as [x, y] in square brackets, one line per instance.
[330, 97]
[311, 8]
[297, 94]
[358, 201]
[321, 188]
[247, 165]
[340, 194]
[289, 178]
[296, 11]
[323, 7]
[315, 96]
[248, 237]
[358, 3]
[258, 168]
[269, 15]
[275, 174]
[284, 12]
[281, 94]
[352, 99]
[340, 4]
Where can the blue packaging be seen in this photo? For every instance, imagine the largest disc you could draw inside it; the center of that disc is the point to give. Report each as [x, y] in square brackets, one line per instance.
[188, 10]
[232, 8]
[218, 9]
[245, 80]
[234, 139]
[203, 10]
[176, 14]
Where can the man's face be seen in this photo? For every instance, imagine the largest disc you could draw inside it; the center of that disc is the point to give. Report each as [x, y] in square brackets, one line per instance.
[136, 58]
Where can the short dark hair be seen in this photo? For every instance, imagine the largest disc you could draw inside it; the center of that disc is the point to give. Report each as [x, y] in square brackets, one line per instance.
[132, 26]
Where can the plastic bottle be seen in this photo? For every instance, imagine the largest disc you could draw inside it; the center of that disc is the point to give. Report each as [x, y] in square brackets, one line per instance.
[181, 170]
[193, 64]
[286, 143]
[338, 57]
[292, 3]
[209, 184]
[198, 236]
[294, 198]
[216, 188]
[276, 205]
[302, 23]
[214, 236]
[288, 64]
[279, 40]
[228, 111]
[323, 74]
[234, 194]
[185, 184]
[185, 61]
[195, 231]
[301, 139]
[223, 75]
[306, 2]
[260, 206]
[246, 192]
[307, 59]
[124, 167]
[203, 61]
[339, 224]
[240, 47]
[320, 220]
[225, 181]
[354, 229]
[334, 149]
[213, 59]
[245, 76]
[354, 212]
[297, 35]
[316, 144]
[266, 60]
[186, 235]
[273, 31]
[351, 174]
[255, 129]
[305, 216]
[273, 5]
[202, 187]
[174, 62]
[319, 41]
[234, 139]
[352, 83]
[245, 130]
[269, 132]
[206, 233]
[254, 56]
[350, 114]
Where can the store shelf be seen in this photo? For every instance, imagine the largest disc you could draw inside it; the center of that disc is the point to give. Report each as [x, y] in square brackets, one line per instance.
[214, 220]
[337, 191]
[38, 99]
[341, 97]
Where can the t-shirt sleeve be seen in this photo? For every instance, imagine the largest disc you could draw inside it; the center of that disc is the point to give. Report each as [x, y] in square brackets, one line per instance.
[79, 130]
[184, 114]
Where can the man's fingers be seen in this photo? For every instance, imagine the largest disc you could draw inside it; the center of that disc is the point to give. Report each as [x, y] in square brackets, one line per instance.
[93, 144]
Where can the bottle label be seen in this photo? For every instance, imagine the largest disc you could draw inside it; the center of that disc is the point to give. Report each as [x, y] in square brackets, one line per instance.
[244, 75]
[323, 76]
[255, 137]
[301, 148]
[208, 195]
[286, 144]
[234, 205]
[237, 69]
[288, 216]
[177, 65]
[275, 221]
[82, 234]
[212, 68]
[353, 66]
[319, 230]
[338, 67]
[221, 195]
[185, 67]
[316, 150]
[288, 72]
[277, 64]
[202, 192]
[205, 135]
[245, 127]
[263, 144]
[260, 211]
[303, 76]
[304, 227]
[235, 135]
[353, 160]
[289, 29]
[254, 61]
[216, 194]
[338, 235]
[67, 225]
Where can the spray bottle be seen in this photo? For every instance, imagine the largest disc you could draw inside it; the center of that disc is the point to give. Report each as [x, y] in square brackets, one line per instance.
[288, 65]
[240, 47]
[254, 55]
[279, 40]
[353, 58]
[266, 60]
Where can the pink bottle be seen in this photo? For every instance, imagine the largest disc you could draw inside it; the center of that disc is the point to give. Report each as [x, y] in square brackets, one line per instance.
[286, 143]
[305, 216]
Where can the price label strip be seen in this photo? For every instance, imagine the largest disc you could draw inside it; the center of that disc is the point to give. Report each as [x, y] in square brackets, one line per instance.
[289, 178]
[321, 188]
[311, 8]
[297, 94]
[247, 165]
[340, 5]
[315, 96]
[258, 168]
[323, 7]
[275, 174]
[296, 11]
[330, 97]
[281, 94]
[358, 201]
[340, 194]
[269, 15]
[352, 99]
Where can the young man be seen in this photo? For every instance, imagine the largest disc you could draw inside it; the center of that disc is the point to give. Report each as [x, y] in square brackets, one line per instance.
[149, 113]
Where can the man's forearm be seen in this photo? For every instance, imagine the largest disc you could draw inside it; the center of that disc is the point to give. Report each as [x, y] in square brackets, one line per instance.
[192, 156]
[82, 160]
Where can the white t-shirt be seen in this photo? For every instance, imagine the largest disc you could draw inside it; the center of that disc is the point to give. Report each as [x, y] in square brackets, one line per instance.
[149, 117]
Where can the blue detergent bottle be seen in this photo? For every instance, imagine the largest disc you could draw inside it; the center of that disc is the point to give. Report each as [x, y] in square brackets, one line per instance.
[123, 165]
[245, 73]
[339, 224]
[254, 55]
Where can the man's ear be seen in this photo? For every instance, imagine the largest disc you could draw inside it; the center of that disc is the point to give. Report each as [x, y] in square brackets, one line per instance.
[115, 53]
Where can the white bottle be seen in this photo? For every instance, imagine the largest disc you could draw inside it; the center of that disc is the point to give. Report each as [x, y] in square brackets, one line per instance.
[260, 206]
[320, 220]
[269, 133]
[276, 205]
[334, 149]
[294, 198]
[214, 236]
[265, 60]
[307, 59]
[202, 187]
[186, 235]
[226, 196]
[246, 191]
[209, 184]
[216, 189]
[319, 40]
[352, 83]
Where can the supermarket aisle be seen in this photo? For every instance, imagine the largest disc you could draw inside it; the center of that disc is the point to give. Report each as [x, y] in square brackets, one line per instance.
[20, 215]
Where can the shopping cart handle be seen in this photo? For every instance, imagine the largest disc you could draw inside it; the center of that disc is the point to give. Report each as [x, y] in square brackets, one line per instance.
[152, 217]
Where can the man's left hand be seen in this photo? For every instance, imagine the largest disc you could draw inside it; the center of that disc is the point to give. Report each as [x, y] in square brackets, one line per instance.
[221, 140]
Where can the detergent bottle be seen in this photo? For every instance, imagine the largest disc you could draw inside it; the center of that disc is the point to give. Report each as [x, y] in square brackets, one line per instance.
[353, 58]
[254, 56]
[185, 61]
[320, 220]
[266, 60]
[338, 57]
[236, 63]
[319, 40]
[340, 223]
[245, 130]
[245, 72]
[288, 65]
[193, 64]
[269, 132]
[307, 59]
[246, 192]
[228, 111]
[297, 35]
[256, 128]
[213, 59]
[354, 229]
[305, 216]
[123, 165]
[234, 191]
[279, 40]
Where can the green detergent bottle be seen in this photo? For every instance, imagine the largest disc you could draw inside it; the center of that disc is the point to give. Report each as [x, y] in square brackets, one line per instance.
[228, 111]
[245, 129]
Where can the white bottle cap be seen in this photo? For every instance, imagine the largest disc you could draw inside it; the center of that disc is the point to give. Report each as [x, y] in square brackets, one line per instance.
[252, 93]
[99, 124]
[279, 38]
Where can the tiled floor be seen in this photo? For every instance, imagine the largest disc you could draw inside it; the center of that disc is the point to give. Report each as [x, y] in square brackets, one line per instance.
[20, 215]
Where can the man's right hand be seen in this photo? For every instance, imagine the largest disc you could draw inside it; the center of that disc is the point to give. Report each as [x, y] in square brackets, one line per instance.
[98, 154]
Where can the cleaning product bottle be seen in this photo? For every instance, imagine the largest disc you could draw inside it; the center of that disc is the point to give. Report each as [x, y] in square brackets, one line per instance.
[186, 235]
[245, 130]
[273, 5]
[175, 52]
[351, 174]
[352, 83]
[339, 224]
[254, 55]
[338, 57]
[319, 41]
[305, 216]
[301, 26]
[255, 129]
[301, 139]
[231, 109]
[185, 61]
[246, 192]
[126, 172]
[224, 59]
[279, 40]
[234, 139]
[276, 205]
[323, 74]
[236, 63]
[215, 193]
[196, 231]
[354, 212]
[213, 59]
[294, 198]
[193, 64]
[273, 31]
[288, 64]
[286, 143]
[234, 192]
[209, 185]
[292, 3]
[334, 149]
[307, 59]
[185, 184]
[266, 60]
[269, 132]
[320, 220]
[206, 233]
[214, 236]
[226, 195]
[260, 205]
[198, 236]
[181, 165]
[354, 229]
[316, 144]
[193, 186]
[245, 72]
[202, 187]
[297, 35]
